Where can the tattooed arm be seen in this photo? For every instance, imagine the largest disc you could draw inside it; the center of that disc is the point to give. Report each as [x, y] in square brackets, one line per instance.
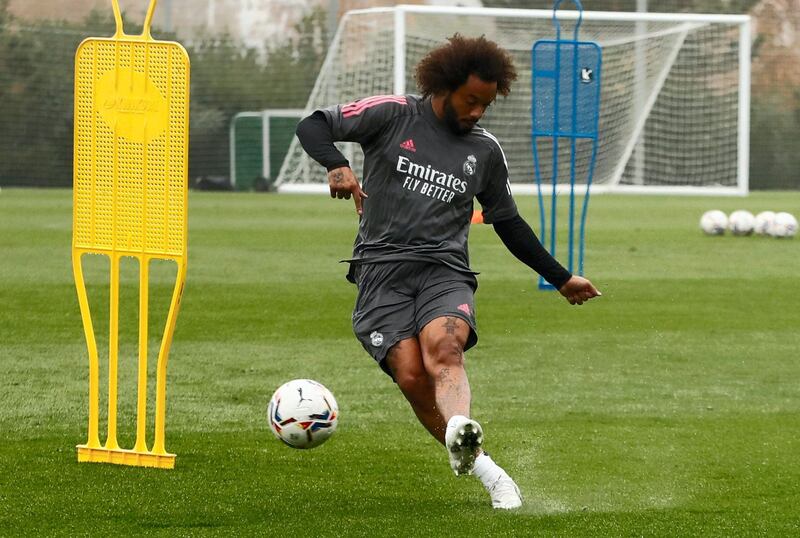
[316, 137]
[343, 184]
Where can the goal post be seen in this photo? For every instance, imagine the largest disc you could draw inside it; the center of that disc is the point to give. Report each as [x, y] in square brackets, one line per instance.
[675, 109]
[258, 143]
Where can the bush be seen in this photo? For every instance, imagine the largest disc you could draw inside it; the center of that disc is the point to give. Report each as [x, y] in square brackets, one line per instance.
[774, 143]
[36, 96]
[36, 91]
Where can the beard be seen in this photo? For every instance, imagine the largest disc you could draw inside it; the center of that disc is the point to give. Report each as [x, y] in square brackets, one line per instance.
[452, 121]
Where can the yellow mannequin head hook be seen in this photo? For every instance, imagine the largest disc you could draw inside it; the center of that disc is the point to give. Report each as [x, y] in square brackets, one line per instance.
[145, 35]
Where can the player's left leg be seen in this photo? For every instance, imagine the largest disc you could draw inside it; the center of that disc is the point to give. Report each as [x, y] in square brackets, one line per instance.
[442, 342]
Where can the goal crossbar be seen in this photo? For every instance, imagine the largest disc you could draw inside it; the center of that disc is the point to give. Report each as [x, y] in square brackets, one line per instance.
[565, 14]
[676, 92]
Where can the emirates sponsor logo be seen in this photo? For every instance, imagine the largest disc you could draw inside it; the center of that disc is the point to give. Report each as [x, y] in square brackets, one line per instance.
[409, 145]
[429, 181]
[428, 173]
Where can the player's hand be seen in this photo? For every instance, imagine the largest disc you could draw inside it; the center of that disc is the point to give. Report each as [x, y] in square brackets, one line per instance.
[343, 184]
[579, 289]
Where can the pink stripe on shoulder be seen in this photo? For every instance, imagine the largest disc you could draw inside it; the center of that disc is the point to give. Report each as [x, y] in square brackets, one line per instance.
[368, 100]
[357, 107]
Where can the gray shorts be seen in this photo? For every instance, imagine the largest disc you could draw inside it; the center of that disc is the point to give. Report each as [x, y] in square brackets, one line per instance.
[397, 299]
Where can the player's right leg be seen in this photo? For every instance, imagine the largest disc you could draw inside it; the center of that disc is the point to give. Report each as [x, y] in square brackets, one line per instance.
[502, 489]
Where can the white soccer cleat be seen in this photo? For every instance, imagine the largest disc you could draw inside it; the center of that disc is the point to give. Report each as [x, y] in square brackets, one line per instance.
[505, 493]
[463, 439]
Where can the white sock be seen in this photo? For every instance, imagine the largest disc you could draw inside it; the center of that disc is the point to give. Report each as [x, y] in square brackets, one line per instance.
[487, 470]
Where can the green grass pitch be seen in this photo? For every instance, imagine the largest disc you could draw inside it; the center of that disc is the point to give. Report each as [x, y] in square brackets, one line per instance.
[669, 406]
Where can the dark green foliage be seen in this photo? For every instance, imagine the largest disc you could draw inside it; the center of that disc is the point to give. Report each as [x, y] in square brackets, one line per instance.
[774, 143]
[35, 104]
[36, 91]
[36, 96]
[227, 79]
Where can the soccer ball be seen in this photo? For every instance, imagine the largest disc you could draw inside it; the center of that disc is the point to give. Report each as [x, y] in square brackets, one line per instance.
[783, 225]
[741, 222]
[764, 222]
[303, 413]
[714, 222]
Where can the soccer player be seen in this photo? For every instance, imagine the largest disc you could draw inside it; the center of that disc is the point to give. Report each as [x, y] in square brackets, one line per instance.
[425, 159]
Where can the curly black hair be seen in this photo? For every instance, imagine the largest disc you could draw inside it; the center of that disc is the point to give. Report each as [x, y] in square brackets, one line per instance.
[448, 66]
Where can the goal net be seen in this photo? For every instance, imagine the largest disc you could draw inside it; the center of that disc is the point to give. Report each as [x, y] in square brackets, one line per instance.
[674, 113]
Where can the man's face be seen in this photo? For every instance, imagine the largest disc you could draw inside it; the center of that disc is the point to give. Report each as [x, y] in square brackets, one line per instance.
[467, 104]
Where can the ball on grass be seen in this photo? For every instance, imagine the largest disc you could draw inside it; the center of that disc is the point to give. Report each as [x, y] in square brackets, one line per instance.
[764, 222]
[714, 222]
[741, 222]
[784, 225]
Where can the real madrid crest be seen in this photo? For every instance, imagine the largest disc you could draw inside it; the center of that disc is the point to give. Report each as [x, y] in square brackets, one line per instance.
[470, 165]
[376, 338]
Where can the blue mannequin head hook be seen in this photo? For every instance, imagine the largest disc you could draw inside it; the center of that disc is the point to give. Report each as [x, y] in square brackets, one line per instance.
[558, 24]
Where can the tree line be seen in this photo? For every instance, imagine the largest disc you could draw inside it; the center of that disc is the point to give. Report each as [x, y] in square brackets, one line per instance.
[36, 92]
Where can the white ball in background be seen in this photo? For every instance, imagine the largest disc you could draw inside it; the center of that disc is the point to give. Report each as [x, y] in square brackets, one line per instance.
[741, 222]
[783, 225]
[764, 222]
[714, 222]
